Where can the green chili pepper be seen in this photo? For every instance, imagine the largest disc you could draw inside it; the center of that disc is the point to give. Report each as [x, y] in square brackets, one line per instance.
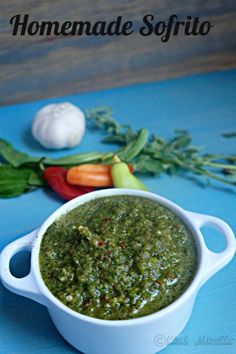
[123, 178]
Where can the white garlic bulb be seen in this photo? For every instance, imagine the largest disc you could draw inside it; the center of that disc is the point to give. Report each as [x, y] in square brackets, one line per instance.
[59, 125]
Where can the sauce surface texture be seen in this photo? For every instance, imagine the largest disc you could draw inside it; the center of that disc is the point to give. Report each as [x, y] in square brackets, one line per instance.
[118, 257]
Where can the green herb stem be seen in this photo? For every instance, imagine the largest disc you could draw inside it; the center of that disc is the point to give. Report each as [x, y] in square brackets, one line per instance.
[221, 165]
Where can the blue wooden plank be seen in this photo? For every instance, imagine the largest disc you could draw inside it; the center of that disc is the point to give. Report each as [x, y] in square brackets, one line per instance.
[203, 104]
[45, 66]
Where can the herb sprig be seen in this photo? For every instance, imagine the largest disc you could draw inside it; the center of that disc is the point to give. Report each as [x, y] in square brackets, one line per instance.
[158, 155]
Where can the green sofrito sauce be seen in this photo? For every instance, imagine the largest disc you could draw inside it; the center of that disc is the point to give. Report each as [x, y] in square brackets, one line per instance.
[118, 257]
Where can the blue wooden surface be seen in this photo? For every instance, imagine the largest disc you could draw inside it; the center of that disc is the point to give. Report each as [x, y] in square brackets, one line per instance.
[203, 104]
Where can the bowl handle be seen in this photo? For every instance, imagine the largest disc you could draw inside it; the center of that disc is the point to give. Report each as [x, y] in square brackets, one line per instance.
[25, 286]
[215, 261]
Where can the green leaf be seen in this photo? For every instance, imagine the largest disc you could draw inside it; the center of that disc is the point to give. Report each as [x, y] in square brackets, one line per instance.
[36, 179]
[102, 118]
[148, 165]
[230, 135]
[14, 157]
[231, 158]
[13, 182]
[181, 140]
[113, 139]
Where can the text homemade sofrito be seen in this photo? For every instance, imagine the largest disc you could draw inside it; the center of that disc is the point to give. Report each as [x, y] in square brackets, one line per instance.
[150, 25]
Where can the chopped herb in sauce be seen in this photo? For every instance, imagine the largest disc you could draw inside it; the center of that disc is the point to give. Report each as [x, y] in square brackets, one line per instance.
[118, 257]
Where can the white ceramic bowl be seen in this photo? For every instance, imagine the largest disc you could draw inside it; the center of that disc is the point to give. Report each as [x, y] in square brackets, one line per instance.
[145, 335]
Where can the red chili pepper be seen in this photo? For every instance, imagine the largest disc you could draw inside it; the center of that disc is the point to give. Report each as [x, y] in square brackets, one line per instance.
[56, 178]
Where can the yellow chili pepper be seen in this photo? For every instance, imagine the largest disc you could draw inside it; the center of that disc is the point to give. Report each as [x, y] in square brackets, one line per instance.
[123, 178]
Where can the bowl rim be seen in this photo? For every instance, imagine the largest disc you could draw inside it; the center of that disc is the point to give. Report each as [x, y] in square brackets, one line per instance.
[191, 289]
